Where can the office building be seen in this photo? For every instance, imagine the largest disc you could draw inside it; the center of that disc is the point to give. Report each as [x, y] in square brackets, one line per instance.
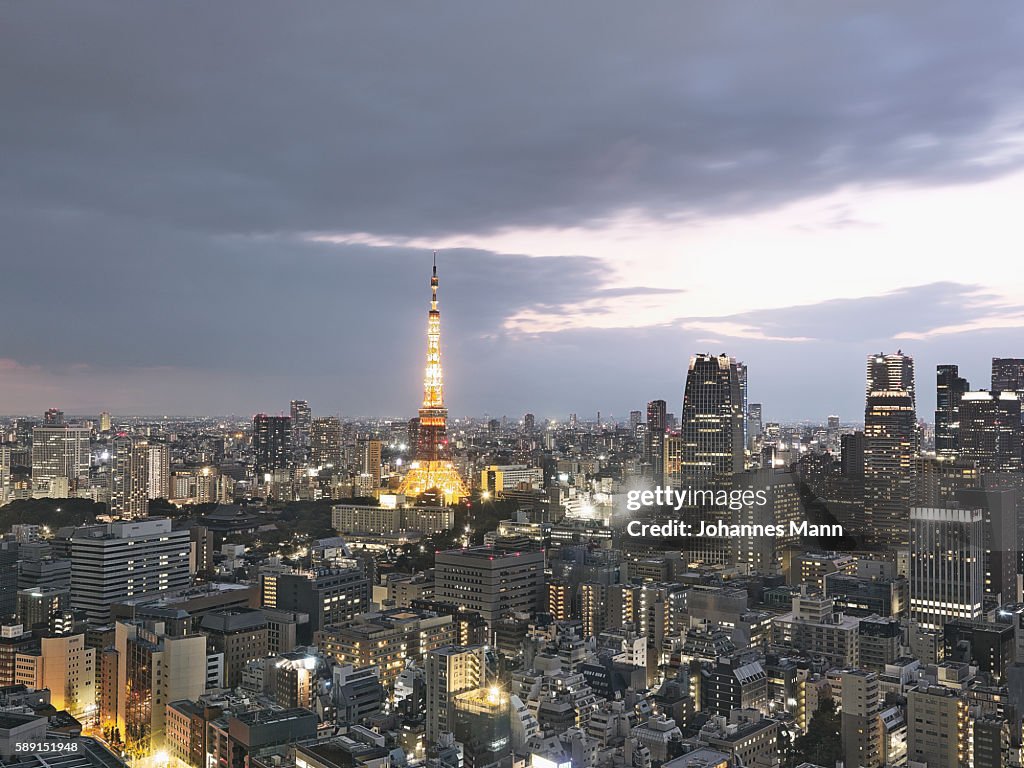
[946, 564]
[152, 670]
[655, 440]
[999, 520]
[733, 682]
[302, 422]
[325, 449]
[891, 446]
[763, 554]
[712, 422]
[949, 390]
[128, 559]
[241, 634]
[755, 425]
[450, 671]
[60, 456]
[43, 607]
[490, 581]
[67, 668]
[271, 444]
[990, 431]
[813, 626]
[1007, 374]
[500, 479]
[328, 595]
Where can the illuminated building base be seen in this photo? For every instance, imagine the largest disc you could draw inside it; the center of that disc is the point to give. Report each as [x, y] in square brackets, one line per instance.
[428, 475]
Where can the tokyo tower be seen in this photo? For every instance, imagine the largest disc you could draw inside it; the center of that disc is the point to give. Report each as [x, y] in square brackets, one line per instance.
[432, 469]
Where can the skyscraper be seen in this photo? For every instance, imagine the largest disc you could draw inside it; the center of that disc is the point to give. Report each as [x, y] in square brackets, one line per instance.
[990, 431]
[949, 389]
[712, 421]
[325, 443]
[891, 446]
[159, 470]
[741, 374]
[432, 469]
[946, 564]
[60, 455]
[655, 440]
[129, 478]
[1007, 374]
[371, 451]
[302, 420]
[271, 443]
[755, 424]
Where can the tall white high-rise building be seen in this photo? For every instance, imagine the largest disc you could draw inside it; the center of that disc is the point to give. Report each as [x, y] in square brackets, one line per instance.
[129, 478]
[5, 474]
[947, 573]
[159, 471]
[302, 421]
[60, 456]
[123, 560]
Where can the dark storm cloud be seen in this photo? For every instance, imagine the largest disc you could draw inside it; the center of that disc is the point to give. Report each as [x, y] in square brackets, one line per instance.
[907, 311]
[457, 116]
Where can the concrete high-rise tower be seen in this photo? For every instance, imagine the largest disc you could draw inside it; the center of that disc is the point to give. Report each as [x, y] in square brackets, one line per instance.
[302, 421]
[655, 439]
[129, 478]
[891, 447]
[949, 390]
[432, 469]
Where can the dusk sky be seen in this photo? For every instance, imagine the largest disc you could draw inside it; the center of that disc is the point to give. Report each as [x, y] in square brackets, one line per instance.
[211, 208]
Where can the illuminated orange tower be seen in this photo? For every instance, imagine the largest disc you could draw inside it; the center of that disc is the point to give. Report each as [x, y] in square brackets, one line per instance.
[432, 469]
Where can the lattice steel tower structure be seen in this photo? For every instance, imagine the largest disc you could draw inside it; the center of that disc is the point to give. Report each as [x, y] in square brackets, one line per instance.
[432, 469]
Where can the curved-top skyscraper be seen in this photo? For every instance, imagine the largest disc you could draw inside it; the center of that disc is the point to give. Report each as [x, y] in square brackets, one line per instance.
[432, 469]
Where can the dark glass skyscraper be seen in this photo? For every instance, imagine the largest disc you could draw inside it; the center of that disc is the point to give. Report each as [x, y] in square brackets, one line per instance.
[891, 447]
[990, 431]
[271, 443]
[302, 420]
[712, 421]
[655, 439]
[949, 389]
[1007, 374]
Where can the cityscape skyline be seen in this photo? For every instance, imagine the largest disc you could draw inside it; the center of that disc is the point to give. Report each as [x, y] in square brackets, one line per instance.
[715, 460]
